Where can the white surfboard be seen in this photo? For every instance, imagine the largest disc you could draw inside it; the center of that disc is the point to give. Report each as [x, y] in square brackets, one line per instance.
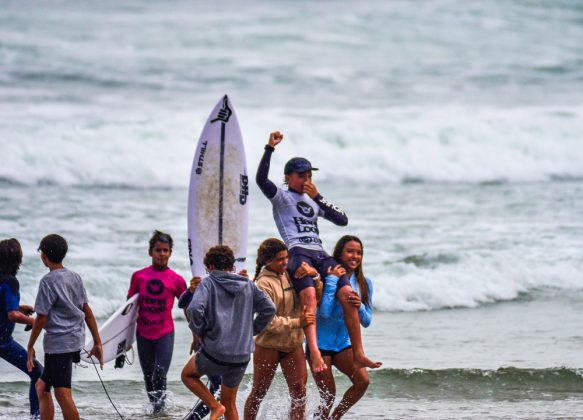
[219, 189]
[117, 333]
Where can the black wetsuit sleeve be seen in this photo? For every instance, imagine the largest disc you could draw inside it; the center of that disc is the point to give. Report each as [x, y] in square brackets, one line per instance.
[332, 212]
[265, 185]
[185, 299]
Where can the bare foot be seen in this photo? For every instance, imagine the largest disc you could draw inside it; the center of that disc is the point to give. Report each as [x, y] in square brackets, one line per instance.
[363, 361]
[318, 364]
[217, 412]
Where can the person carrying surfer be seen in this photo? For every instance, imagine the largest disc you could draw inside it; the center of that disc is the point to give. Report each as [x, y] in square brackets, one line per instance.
[281, 342]
[226, 311]
[12, 312]
[296, 211]
[61, 306]
[158, 286]
[333, 340]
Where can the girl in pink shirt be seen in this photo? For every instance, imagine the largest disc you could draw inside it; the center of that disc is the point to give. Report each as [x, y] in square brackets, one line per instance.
[157, 286]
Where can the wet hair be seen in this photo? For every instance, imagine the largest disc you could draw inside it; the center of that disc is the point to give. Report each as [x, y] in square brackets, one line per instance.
[54, 247]
[159, 236]
[10, 256]
[220, 257]
[267, 251]
[362, 284]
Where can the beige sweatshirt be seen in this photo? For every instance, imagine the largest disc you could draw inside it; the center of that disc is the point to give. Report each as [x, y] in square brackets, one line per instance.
[284, 333]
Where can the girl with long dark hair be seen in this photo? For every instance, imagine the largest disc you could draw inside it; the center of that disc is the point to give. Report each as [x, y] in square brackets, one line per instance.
[333, 338]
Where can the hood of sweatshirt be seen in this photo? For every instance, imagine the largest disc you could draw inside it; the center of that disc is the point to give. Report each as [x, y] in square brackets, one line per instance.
[231, 283]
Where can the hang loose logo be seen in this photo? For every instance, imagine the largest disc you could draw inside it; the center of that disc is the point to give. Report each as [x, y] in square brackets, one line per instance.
[305, 209]
[225, 112]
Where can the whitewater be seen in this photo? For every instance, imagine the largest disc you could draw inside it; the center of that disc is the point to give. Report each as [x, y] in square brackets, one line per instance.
[450, 132]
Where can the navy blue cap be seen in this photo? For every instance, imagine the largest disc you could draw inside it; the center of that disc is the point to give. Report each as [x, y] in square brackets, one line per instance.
[299, 165]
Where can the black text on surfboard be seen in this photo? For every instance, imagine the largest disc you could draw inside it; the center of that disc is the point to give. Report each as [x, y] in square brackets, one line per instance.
[200, 162]
[244, 192]
[190, 251]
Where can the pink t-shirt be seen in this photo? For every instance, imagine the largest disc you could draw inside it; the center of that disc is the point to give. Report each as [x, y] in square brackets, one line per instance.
[157, 289]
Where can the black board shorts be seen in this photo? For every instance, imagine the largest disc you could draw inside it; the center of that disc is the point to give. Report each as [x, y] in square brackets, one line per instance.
[59, 369]
[324, 352]
[320, 260]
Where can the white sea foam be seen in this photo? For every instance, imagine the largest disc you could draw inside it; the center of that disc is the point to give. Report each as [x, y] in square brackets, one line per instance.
[472, 281]
[449, 144]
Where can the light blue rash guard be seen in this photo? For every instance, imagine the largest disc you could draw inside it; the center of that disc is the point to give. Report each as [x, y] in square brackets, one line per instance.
[331, 329]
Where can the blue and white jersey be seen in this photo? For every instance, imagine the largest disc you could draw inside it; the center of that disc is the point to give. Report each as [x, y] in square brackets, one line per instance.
[296, 214]
[296, 217]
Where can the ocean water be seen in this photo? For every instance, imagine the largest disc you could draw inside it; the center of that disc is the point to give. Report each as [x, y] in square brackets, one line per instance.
[449, 131]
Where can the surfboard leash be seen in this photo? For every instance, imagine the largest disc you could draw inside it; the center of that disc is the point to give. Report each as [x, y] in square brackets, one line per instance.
[103, 385]
[188, 415]
[195, 404]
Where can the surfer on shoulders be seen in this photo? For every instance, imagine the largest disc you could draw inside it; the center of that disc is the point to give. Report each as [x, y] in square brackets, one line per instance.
[61, 306]
[158, 286]
[12, 312]
[296, 211]
[281, 342]
[225, 313]
[333, 339]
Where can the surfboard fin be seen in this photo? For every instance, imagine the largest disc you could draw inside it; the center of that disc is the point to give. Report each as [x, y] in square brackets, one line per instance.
[120, 361]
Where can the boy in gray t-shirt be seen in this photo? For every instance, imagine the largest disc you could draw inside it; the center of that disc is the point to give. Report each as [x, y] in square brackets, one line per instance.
[62, 308]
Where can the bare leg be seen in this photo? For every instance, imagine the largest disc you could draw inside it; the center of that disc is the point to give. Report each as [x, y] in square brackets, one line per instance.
[359, 378]
[229, 400]
[308, 299]
[65, 400]
[191, 378]
[352, 322]
[293, 366]
[45, 400]
[264, 366]
[326, 388]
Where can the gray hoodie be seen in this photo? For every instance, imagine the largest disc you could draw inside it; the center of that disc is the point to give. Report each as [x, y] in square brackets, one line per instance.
[222, 311]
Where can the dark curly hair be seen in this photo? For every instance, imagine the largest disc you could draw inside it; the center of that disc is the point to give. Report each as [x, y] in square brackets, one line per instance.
[220, 257]
[268, 249]
[159, 236]
[54, 247]
[10, 256]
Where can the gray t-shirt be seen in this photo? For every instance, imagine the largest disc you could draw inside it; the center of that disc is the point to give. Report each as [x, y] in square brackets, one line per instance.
[296, 216]
[61, 296]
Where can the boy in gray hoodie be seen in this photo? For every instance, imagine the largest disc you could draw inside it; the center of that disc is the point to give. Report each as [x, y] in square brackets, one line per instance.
[221, 315]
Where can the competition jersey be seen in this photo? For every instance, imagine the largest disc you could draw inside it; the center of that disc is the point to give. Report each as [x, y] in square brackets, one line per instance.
[296, 216]
[157, 289]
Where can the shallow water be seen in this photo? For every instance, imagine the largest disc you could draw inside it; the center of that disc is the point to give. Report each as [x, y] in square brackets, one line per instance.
[449, 131]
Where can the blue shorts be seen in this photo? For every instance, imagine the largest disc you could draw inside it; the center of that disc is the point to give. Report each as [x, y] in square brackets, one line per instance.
[317, 259]
[231, 373]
